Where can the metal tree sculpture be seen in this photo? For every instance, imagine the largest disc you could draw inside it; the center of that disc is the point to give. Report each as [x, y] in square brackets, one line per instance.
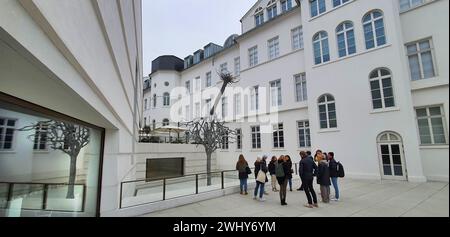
[208, 131]
[66, 137]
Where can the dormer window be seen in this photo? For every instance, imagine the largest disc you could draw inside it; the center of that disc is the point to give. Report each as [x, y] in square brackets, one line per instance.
[259, 16]
[272, 9]
[286, 5]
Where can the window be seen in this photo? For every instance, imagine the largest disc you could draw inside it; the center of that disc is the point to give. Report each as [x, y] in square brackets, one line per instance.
[166, 99]
[337, 3]
[327, 112]
[297, 38]
[208, 106]
[166, 83]
[381, 89]
[197, 110]
[40, 137]
[165, 122]
[237, 66]
[420, 58]
[188, 86]
[254, 100]
[224, 107]
[321, 48]
[197, 84]
[239, 139]
[7, 128]
[188, 113]
[237, 105]
[301, 93]
[145, 104]
[431, 125]
[275, 93]
[286, 5]
[374, 34]
[408, 4]
[256, 137]
[225, 142]
[278, 136]
[253, 56]
[208, 80]
[272, 10]
[154, 100]
[274, 48]
[317, 7]
[259, 16]
[224, 68]
[304, 134]
[346, 39]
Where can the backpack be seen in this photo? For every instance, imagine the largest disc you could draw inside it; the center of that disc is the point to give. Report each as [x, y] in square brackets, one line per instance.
[340, 170]
[279, 170]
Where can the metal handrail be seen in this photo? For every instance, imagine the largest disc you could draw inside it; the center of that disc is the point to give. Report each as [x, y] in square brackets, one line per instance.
[44, 194]
[164, 180]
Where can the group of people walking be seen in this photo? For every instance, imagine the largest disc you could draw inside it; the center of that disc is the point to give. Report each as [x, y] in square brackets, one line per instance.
[323, 166]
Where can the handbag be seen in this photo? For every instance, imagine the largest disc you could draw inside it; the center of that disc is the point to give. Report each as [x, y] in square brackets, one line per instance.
[248, 170]
[261, 176]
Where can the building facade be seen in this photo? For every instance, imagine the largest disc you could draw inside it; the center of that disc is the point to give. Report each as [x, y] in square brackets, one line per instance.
[70, 105]
[365, 79]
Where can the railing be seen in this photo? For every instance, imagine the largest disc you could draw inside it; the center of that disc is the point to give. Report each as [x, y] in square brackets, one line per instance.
[156, 190]
[32, 191]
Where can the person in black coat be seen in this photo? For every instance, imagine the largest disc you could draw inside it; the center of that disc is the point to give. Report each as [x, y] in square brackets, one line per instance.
[283, 180]
[289, 176]
[323, 178]
[333, 166]
[307, 170]
[273, 177]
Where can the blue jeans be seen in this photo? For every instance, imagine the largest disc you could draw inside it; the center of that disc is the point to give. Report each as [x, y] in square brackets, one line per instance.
[334, 180]
[243, 185]
[290, 183]
[259, 186]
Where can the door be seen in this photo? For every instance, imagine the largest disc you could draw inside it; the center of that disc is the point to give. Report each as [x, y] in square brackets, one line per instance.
[392, 159]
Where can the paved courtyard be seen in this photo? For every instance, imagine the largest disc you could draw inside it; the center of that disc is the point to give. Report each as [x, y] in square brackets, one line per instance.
[359, 198]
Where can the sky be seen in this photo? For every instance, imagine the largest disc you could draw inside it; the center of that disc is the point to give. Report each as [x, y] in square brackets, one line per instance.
[181, 27]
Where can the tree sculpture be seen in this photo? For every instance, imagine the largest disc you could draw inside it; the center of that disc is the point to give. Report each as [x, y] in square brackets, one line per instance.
[66, 137]
[210, 132]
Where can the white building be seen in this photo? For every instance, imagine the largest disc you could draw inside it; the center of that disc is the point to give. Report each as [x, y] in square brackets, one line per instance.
[74, 61]
[365, 79]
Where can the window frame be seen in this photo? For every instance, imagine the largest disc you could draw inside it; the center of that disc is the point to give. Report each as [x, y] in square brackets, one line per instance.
[278, 141]
[4, 128]
[430, 125]
[372, 25]
[410, 5]
[255, 132]
[274, 44]
[381, 88]
[303, 81]
[208, 80]
[288, 6]
[321, 39]
[306, 134]
[317, 3]
[239, 139]
[419, 53]
[166, 99]
[253, 56]
[345, 31]
[301, 42]
[327, 110]
[279, 98]
[237, 66]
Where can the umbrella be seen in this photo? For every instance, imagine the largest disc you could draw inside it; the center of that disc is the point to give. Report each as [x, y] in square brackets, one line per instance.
[170, 129]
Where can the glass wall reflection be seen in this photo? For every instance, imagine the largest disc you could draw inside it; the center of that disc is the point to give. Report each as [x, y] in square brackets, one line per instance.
[48, 167]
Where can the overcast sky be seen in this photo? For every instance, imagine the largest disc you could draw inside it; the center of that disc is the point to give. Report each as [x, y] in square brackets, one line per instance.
[181, 27]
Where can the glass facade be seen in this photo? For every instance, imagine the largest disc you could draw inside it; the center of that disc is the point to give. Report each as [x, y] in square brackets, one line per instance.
[49, 166]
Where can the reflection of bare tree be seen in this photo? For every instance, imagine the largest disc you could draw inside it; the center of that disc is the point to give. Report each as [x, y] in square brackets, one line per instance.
[208, 131]
[66, 137]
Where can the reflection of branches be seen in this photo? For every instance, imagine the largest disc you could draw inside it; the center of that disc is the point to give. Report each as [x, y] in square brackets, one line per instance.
[66, 137]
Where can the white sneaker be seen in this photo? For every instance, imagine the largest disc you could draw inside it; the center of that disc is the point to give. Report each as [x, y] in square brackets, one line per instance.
[335, 200]
[262, 199]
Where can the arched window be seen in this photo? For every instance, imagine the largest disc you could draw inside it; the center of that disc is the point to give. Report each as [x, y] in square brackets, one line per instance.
[166, 99]
[321, 48]
[374, 32]
[154, 101]
[165, 122]
[317, 7]
[346, 39]
[327, 112]
[381, 89]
